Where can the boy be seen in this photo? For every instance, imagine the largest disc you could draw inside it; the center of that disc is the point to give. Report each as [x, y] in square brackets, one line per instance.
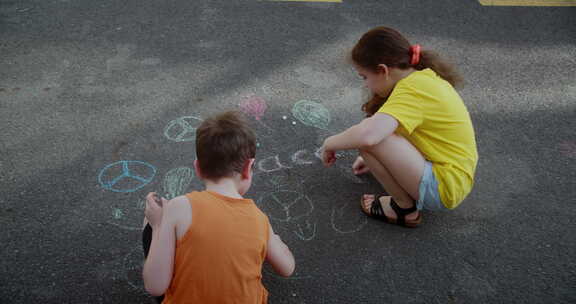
[209, 246]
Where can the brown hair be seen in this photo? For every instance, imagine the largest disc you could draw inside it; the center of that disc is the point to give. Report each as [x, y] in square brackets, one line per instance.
[223, 144]
[383, 45]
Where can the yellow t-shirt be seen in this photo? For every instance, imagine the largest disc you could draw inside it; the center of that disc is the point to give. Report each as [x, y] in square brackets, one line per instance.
[432, 116]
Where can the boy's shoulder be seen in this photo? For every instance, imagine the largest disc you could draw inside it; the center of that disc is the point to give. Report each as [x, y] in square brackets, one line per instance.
[178, 206]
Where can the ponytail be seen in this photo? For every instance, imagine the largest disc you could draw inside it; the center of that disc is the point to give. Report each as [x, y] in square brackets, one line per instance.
[431, 60]
[383, 45]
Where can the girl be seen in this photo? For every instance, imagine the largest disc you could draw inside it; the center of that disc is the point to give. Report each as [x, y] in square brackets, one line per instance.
[417, 140]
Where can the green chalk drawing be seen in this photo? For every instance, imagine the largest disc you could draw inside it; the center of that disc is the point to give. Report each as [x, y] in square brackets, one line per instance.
[312, 114]
[182, 129]
[176, 181]
[141, 204]
[276, 180]
[117, 213]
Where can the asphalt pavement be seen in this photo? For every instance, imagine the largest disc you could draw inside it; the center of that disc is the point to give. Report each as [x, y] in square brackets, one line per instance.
[99, 101]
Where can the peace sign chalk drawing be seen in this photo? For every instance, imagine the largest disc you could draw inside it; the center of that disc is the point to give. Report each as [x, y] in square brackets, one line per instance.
[182, 129]
[286, 206]
[126, 175]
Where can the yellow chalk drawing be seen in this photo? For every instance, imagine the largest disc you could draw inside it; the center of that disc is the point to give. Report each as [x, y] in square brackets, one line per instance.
[528, 2]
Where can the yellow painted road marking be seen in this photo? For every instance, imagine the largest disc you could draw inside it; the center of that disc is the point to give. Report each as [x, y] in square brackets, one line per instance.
[528, 2]
[337, 1]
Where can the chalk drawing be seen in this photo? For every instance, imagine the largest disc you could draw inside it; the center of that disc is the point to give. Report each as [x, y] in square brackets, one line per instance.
[340, 212]
[176, 182]
[182, 129]
[286, 206]
[271, 164]
[117, 213]
[133, 263]
[129, 217]
[568, 149]
[254, 106]
[299, 158]
[126, 175]
[318, 153]
[306, 231]
[141, 204]
[349, 156]
[312, 114]
[83, 216]
[150, 61]
[277, 182]
[290, 208]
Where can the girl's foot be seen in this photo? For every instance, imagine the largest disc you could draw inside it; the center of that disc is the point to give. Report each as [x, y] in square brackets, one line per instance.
[386, 211]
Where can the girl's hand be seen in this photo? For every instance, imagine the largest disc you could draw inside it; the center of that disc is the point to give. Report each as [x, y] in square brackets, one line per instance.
[328, 157]
[359, 166]
[153, 210]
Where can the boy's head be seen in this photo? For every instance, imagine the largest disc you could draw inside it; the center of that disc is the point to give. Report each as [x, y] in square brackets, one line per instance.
[225, 145]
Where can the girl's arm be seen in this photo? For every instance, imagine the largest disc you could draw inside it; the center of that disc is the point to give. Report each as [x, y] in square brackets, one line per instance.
[158, 267]
[369, 132]
[279, 255]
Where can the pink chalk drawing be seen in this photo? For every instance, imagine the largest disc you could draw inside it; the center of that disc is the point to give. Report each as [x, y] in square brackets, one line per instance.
[568, 148]
[254, 106]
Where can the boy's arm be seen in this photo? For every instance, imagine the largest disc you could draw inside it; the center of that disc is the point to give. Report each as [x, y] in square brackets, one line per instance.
[279, 255]
[158, 267]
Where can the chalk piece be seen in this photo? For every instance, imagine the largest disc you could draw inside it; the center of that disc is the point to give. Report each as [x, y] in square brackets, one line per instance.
[284, 117]
[294, 123]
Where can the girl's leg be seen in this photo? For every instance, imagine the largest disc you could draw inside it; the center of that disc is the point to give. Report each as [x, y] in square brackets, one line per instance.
[398, 166]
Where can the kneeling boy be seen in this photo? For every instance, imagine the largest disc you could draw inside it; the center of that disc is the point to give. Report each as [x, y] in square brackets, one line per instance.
[209, 246]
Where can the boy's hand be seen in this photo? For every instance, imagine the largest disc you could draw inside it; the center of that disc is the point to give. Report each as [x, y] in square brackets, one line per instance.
[153, 210]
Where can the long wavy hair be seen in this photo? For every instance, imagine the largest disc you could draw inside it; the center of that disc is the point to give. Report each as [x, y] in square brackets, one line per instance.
[384, 45]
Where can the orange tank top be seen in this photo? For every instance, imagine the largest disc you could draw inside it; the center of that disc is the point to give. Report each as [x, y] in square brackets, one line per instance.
[219, 259]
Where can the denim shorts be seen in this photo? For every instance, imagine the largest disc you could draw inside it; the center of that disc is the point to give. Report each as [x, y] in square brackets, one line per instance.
[428, 191]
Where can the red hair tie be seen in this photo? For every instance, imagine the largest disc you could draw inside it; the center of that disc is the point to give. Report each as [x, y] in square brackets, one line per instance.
[415, 50]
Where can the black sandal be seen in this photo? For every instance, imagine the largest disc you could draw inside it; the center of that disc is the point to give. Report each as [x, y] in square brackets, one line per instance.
[377, 212]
